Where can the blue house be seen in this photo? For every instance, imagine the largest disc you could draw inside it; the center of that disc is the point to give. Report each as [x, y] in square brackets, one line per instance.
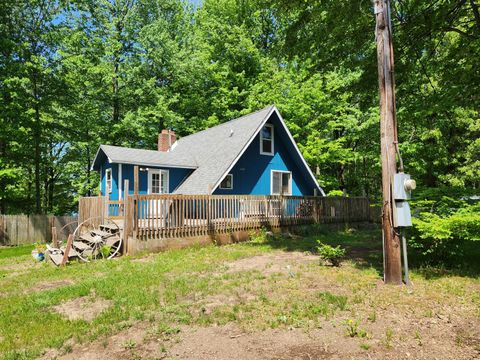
[252, 155]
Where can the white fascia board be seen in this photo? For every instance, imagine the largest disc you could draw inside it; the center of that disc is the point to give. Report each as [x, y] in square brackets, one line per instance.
[140, 163]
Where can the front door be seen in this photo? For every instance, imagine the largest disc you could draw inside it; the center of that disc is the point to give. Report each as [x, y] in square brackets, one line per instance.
[157, 184]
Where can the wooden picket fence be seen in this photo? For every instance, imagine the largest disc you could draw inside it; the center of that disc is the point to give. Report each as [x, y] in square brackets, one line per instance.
[28, 229]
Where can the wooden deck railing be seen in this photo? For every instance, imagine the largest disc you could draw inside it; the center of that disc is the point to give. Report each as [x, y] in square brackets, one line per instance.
[148, 217]
[166, 216]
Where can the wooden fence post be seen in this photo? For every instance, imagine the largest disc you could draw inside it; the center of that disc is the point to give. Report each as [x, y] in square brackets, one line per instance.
[54, 237]
[2, 230]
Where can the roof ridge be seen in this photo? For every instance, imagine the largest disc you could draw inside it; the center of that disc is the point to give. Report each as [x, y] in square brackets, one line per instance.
[229, 121]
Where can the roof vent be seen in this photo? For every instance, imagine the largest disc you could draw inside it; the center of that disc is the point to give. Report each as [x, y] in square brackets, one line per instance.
[231, 132]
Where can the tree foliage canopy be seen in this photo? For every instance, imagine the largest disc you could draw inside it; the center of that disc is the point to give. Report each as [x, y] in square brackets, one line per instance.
[79, 73]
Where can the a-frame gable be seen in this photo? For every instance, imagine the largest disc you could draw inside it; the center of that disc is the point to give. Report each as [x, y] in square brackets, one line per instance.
[291, 141]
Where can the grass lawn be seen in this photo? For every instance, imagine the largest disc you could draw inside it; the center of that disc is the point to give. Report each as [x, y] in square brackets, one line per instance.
[258, 295]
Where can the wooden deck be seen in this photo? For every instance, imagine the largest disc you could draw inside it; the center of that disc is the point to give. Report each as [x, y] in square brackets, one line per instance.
[147, 217]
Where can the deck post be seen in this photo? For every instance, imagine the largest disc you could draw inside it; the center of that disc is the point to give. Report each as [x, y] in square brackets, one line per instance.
[209, 209]
[135, 203]
[126, 218]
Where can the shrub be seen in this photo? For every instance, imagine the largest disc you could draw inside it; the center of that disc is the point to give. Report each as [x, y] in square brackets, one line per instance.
[331, 254]
[441, 237]
[259, 236]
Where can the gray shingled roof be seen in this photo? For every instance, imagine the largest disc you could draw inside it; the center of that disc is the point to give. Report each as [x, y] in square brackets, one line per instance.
[123, 155]
[215, 149]
[210, 152]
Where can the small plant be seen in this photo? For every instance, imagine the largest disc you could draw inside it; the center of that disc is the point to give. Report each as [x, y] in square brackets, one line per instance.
[364, 346]
[67, 349]
[418, 337]
[387, 341]
[105, 250]
[129, 344]
[353, 329]
[40, 248]
[372, 317]
[259, 236]
[331, 254]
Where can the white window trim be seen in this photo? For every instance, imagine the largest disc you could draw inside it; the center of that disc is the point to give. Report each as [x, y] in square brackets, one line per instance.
[231, 182]
[289, 185]
[120, 181]
[158, 171]
[261, 140]
[108, 189]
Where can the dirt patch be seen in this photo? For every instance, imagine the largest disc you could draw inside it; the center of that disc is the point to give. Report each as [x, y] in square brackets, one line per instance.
[267, 264]
[230, 342]
[214, 301]
[83, 308]
[50, 285]
[119, 346]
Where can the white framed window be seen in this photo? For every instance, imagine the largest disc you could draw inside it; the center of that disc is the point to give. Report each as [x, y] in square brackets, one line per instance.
[158, 181]
[281, 182]
[266, 140]
[227, 182]
[108, 181]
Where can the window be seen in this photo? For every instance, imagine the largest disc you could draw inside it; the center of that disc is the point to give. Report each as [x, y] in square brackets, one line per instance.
[108, 180]
[227, 182]
[266, 140]
[281, 183]
[158, 181]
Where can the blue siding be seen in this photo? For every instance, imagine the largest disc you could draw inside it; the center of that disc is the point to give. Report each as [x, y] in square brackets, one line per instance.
[252, 172]
[103, 184]
[176, 177]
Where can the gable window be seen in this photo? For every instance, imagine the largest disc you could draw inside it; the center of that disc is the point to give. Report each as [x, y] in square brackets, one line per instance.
[281, 183]
[266, 140]
[108, 180]
[227, 182]
[158, 181]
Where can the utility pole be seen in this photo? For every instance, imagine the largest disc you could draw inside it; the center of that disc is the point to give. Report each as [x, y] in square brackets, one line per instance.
[388, 137]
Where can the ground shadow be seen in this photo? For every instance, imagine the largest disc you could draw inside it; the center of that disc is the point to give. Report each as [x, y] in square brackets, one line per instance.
[363, 246]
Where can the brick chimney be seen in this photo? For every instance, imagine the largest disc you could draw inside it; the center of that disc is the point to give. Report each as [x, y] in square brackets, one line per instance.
[166, 139]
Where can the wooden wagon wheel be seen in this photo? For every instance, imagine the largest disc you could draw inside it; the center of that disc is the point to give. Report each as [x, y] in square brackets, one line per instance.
[93, 241]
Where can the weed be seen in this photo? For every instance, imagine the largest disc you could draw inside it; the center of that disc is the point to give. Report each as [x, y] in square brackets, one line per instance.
[353, 329]
[282, 319]
[130, 344]
[166, 329]
[338, 301]
[330, 253]
[364, 346]
[418, 337]
[372, 317]
[259, 236]
[387, 341]
[67, 349]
